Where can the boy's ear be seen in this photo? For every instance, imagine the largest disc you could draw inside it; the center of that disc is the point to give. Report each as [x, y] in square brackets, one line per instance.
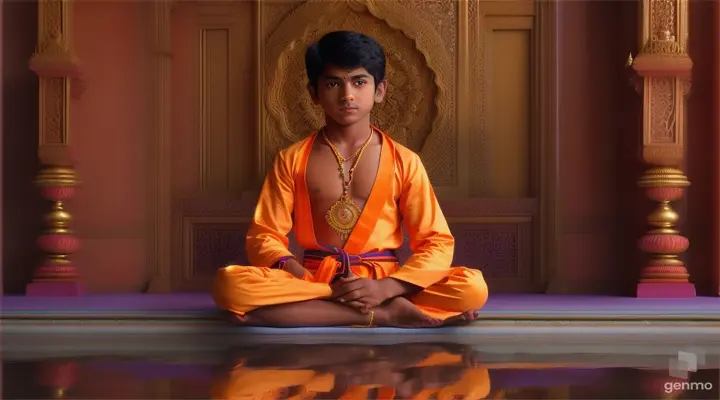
[313, 93]
[380, 91]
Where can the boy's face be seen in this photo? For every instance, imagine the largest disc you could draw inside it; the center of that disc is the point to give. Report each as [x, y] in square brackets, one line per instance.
[347, 96]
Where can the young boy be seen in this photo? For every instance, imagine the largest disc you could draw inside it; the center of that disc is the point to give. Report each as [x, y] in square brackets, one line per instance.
[346, 192]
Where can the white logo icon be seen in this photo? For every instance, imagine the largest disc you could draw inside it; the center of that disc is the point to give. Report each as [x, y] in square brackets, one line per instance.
[686, 362]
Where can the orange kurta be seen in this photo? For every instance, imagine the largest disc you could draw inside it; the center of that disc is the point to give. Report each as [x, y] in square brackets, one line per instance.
[402, 195]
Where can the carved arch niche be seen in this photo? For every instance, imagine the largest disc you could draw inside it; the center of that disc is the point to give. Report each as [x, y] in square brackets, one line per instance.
[419, 110]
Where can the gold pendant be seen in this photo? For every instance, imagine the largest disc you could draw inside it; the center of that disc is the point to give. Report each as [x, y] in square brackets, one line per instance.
[342, 216]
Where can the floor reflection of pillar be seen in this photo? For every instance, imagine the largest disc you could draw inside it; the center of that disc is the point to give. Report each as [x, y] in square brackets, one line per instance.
[58, 376]
[664, 69]
[161, 389]
[558, 393]
[58, 76]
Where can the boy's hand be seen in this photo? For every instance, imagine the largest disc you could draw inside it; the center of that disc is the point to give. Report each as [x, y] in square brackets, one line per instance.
[360, 293]
[295, 268]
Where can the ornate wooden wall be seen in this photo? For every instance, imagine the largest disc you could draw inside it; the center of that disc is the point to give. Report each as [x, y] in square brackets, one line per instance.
[471, 90]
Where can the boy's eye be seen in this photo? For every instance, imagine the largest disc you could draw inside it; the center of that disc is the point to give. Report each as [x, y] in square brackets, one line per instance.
[332, 84]
[360, 82]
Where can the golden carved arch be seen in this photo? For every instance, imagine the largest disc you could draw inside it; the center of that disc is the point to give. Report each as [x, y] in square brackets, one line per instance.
[420, 108]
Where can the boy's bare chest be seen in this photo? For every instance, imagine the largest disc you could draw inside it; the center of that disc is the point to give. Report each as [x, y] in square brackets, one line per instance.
[325, 182]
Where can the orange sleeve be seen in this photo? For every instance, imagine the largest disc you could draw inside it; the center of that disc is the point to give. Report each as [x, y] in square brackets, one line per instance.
[267, 242]
[431, 242]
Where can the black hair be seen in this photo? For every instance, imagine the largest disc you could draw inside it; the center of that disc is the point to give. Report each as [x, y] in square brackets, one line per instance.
[345, 49]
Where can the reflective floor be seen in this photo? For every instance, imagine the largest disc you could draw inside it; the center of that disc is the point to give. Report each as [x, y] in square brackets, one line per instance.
[400, 371]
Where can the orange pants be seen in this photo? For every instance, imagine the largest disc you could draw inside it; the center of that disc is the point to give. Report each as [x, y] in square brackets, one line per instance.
[241, 289]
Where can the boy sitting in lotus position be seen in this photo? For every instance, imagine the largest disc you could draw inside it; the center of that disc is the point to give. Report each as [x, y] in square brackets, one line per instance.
[346, 191]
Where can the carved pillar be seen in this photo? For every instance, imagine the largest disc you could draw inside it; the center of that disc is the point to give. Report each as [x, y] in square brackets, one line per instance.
[58, 72]
[664, 69]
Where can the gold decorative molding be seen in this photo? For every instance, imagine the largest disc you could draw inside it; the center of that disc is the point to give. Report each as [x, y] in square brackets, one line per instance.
[54, 63]
[664, 28]
[159, 185]
[54, 57]
[664, 67]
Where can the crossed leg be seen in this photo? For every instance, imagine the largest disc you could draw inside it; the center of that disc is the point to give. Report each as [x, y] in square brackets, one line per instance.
[456, 299]
[268, 297]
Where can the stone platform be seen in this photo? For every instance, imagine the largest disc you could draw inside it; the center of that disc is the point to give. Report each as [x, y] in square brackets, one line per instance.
[193, 306]
[544, 323]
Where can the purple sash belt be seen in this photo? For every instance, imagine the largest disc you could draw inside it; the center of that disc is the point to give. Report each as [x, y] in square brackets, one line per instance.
[313, 258]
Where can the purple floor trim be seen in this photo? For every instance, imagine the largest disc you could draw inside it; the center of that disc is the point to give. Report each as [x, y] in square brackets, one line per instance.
[519, 378]
[152, 370]
[497, 305]
[112, 302]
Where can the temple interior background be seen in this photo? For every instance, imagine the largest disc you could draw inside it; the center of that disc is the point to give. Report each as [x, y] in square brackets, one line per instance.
[526, 116]
[153, 122]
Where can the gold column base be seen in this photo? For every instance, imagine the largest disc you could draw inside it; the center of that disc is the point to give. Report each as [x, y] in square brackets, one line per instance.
[664, 275]
[57, 275]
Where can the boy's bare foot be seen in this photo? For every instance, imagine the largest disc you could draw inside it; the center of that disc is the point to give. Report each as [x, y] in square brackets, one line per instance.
[463, 319]
[401, 313]
[311, 313]
[240, 320]
[235, 319]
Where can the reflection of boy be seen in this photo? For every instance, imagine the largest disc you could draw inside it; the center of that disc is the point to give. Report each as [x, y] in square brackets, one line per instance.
[404, 371]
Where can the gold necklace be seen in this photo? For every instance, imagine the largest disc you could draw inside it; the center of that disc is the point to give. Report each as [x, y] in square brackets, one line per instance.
[344, 213]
